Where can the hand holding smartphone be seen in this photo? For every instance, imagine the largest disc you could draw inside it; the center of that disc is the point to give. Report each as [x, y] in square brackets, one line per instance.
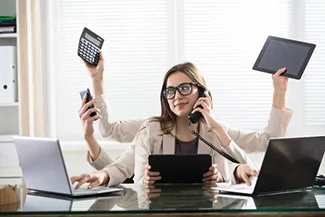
[89, 98]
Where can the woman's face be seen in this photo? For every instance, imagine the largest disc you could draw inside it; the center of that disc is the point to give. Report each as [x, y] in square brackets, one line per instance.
[181, 105]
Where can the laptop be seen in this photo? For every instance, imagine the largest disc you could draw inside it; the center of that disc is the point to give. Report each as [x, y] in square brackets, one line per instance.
[44, 169]
[289, 164]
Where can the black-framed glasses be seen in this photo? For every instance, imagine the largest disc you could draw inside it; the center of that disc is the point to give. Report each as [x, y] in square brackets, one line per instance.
[184, 89]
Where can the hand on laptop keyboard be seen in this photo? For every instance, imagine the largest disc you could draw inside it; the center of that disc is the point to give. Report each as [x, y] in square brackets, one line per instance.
[95, 178]
[244, 172]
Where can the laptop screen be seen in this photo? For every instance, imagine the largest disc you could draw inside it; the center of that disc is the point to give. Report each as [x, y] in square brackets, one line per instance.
[42, 164]
[290, 163]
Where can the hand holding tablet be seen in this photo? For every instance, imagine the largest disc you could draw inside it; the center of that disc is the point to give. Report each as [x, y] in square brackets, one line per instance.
[280, 52]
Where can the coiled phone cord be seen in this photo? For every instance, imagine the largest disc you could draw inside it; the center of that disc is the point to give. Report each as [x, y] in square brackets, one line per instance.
[221, 152]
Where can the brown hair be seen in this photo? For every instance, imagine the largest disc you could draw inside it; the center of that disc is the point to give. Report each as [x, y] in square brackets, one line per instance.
[167, 118]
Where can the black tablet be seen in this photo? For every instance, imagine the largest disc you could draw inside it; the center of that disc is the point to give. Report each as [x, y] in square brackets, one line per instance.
[180, 168]
[280, 52]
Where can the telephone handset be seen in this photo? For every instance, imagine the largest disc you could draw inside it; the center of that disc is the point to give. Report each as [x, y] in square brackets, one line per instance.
[194, 118]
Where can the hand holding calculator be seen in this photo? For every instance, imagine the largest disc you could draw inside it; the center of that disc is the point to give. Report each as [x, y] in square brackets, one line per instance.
[89, 46]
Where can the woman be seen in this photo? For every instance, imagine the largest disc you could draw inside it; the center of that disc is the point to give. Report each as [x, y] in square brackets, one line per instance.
[124, 131]
[170, 134]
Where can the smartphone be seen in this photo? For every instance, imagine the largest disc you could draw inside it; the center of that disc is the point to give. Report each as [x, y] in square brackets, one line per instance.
[89, 98]
[196, 116]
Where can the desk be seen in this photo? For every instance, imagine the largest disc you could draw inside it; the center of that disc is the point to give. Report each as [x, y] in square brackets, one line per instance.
[173, 200]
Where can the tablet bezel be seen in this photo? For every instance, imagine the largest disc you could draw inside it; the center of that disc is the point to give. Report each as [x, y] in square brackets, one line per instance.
[190, 164]
[303, 66]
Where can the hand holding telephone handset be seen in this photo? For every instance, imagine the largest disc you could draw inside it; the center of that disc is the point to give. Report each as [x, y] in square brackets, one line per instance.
[194, 118]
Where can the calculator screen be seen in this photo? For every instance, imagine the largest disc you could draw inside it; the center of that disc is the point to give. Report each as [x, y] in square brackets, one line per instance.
[92, 39]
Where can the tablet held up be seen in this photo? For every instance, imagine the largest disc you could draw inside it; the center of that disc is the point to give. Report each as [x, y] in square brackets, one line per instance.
[280, 52]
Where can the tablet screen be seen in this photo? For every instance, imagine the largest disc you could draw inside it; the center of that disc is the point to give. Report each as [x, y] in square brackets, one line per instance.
[279, 52]
[180, 168]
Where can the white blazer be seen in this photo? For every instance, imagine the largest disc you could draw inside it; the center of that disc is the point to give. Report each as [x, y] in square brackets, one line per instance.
[151, 141]
[124, 131]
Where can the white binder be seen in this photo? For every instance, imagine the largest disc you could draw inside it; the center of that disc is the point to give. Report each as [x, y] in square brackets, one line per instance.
[8, 74]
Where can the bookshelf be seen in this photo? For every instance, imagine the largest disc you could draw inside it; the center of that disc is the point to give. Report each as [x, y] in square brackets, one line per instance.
[9, 110]
[8, 35]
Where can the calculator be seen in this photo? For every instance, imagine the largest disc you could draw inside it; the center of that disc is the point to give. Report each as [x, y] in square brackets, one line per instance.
[89, 46]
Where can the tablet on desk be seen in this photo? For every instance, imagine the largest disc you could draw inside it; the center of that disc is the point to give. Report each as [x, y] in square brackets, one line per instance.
[280, 52]
[180, 168]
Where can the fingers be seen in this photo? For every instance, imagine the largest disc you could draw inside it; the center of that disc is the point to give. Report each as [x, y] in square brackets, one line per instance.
[212, 176]
[201, 110]
[84, 99]
[83, 102]
[212, 170]
[101, 56]
[100, 66]
[95, 183]
[149, 182]
[204, 102]
[74, 179]
[246, 179]
[94, 179]
[280, 71]
[246, 171]
[151, 191]
[151, 173]
[153, 176]
[253, 172]
[86, 115]
[83, 180]
[150, 177]
[90, 103]
[85, 106]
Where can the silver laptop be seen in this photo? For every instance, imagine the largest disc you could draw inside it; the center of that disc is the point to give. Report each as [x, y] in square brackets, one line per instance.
[44, 169]
[289, 164]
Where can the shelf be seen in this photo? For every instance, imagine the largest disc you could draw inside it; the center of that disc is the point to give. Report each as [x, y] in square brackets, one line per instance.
[8, 35]
[8, 104]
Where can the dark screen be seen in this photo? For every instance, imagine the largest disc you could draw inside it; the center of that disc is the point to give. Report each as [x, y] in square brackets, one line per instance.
[279, 54]
[290, 163]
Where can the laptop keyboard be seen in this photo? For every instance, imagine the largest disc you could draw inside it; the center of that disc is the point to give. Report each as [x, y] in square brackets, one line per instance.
[85, 189]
